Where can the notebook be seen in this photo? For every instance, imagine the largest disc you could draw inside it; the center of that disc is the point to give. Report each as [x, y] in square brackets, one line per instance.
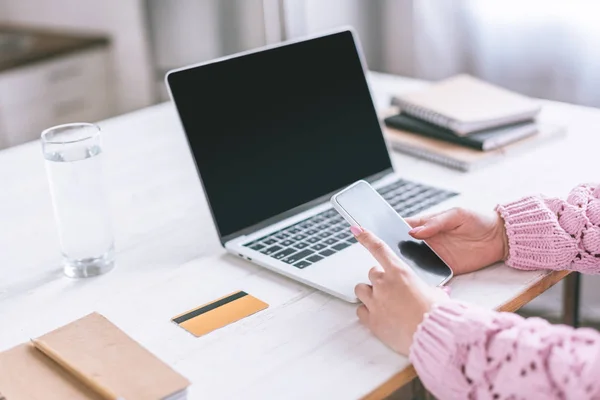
[464, 158]
[465, 104]
[97, 348]
[486, 140]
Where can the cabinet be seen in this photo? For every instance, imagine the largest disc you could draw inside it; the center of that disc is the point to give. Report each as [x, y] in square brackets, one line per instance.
[71, 87]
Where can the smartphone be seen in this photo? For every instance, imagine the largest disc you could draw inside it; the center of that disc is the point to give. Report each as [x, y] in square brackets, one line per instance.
[361, 205]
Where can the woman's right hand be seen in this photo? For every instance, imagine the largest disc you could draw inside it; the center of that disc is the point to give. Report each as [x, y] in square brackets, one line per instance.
[467, 241]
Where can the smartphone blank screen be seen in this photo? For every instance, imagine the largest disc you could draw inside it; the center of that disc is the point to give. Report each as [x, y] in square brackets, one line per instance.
[372, 212]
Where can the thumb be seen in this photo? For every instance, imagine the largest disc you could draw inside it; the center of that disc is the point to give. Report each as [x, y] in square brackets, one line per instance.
[415, 221]
[443, 222]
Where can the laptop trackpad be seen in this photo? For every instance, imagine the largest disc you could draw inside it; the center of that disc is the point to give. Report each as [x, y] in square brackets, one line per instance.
[342, 271]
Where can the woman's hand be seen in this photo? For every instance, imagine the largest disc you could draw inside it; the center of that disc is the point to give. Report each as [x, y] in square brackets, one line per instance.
[397, 299]
[467, 241]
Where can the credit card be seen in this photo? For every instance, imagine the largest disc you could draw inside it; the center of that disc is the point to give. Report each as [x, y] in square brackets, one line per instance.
[219, 313]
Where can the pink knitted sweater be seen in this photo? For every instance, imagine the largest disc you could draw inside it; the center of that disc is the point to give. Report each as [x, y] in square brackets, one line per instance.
[464, 352]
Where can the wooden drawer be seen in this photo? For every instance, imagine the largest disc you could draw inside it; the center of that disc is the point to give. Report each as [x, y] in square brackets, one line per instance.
[75, 88]
[66, 74]
[20, 124]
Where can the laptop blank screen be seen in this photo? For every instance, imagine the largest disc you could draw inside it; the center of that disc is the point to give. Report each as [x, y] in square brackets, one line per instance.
[273, 130]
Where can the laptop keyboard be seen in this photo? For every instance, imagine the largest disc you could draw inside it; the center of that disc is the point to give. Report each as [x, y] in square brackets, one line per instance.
[315, 238]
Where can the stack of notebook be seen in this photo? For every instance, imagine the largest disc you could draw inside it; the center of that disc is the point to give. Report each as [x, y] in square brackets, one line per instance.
[89, 359]
[463, 122]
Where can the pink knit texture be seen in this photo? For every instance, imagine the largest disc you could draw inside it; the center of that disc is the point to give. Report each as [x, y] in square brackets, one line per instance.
[549, 233]
[463, 352]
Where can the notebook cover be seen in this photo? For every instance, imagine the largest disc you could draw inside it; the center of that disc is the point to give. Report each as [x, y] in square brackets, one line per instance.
[464, 158]
[27, 374]
[467, 100]
[484, 140]
[96, 347]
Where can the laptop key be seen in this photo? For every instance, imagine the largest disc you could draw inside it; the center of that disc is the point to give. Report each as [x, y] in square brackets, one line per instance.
[338, 228]
[269, 242]
[282, 236]
[318, 246]
[409, 212]
[283, 253]
[325, 234]
[311, 232]
[341, 246]
[342, 235]
[301, 245]
[331, 241]
[298, 256]
[327, 252]
[271, 250]
[302, 264]
[314, 259]
[257, 247]
[299, 237]
[323, 226]
[400, 205]
[397, 190]
[330, 213]
[293, 231]
[313, 239]
[287, 243]
[352, 240]
[418, 209]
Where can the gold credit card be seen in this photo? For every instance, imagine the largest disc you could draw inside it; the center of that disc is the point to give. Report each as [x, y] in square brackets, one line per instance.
[219, 313]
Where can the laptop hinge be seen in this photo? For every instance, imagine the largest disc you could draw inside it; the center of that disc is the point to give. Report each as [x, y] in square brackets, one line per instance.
[297, 210]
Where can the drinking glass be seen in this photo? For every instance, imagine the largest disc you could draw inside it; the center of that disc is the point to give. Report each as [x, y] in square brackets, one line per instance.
[73, 156]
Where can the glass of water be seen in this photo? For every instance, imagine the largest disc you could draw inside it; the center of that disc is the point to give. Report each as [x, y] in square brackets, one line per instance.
[73, 154]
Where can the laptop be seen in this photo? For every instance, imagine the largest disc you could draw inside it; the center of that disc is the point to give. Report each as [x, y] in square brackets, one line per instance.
[274, 132]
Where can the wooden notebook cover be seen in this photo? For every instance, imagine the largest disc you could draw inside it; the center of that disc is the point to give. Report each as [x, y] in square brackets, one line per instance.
[27, 374]
[97, 348]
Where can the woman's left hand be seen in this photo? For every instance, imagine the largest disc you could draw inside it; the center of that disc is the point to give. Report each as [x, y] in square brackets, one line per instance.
[397, 299]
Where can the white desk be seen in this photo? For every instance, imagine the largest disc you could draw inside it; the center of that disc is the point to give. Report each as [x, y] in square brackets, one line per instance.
[307, 344]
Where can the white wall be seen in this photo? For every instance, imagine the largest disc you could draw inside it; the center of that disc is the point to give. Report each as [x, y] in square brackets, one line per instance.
[124, 21]
[304, 17]
[190, 31]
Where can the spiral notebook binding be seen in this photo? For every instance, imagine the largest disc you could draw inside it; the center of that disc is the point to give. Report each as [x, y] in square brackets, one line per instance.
[426, 115]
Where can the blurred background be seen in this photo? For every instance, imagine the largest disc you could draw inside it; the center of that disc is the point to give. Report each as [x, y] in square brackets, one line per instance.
[67, 60]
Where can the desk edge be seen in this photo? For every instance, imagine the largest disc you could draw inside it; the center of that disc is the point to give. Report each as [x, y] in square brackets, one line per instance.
[408, 374]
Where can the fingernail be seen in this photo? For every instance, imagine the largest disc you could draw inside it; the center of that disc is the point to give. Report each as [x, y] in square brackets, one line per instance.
[416, 230]
[356, 230]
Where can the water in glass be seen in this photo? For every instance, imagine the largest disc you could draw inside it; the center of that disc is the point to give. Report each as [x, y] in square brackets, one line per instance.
[75, 175]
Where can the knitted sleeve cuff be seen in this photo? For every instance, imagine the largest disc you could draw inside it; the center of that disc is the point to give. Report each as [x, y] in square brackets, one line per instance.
[535, 238]
[433, 352]
[461, 352]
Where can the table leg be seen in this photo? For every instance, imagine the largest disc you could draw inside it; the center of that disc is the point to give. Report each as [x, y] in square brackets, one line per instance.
[419, 392]
[571, 295]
